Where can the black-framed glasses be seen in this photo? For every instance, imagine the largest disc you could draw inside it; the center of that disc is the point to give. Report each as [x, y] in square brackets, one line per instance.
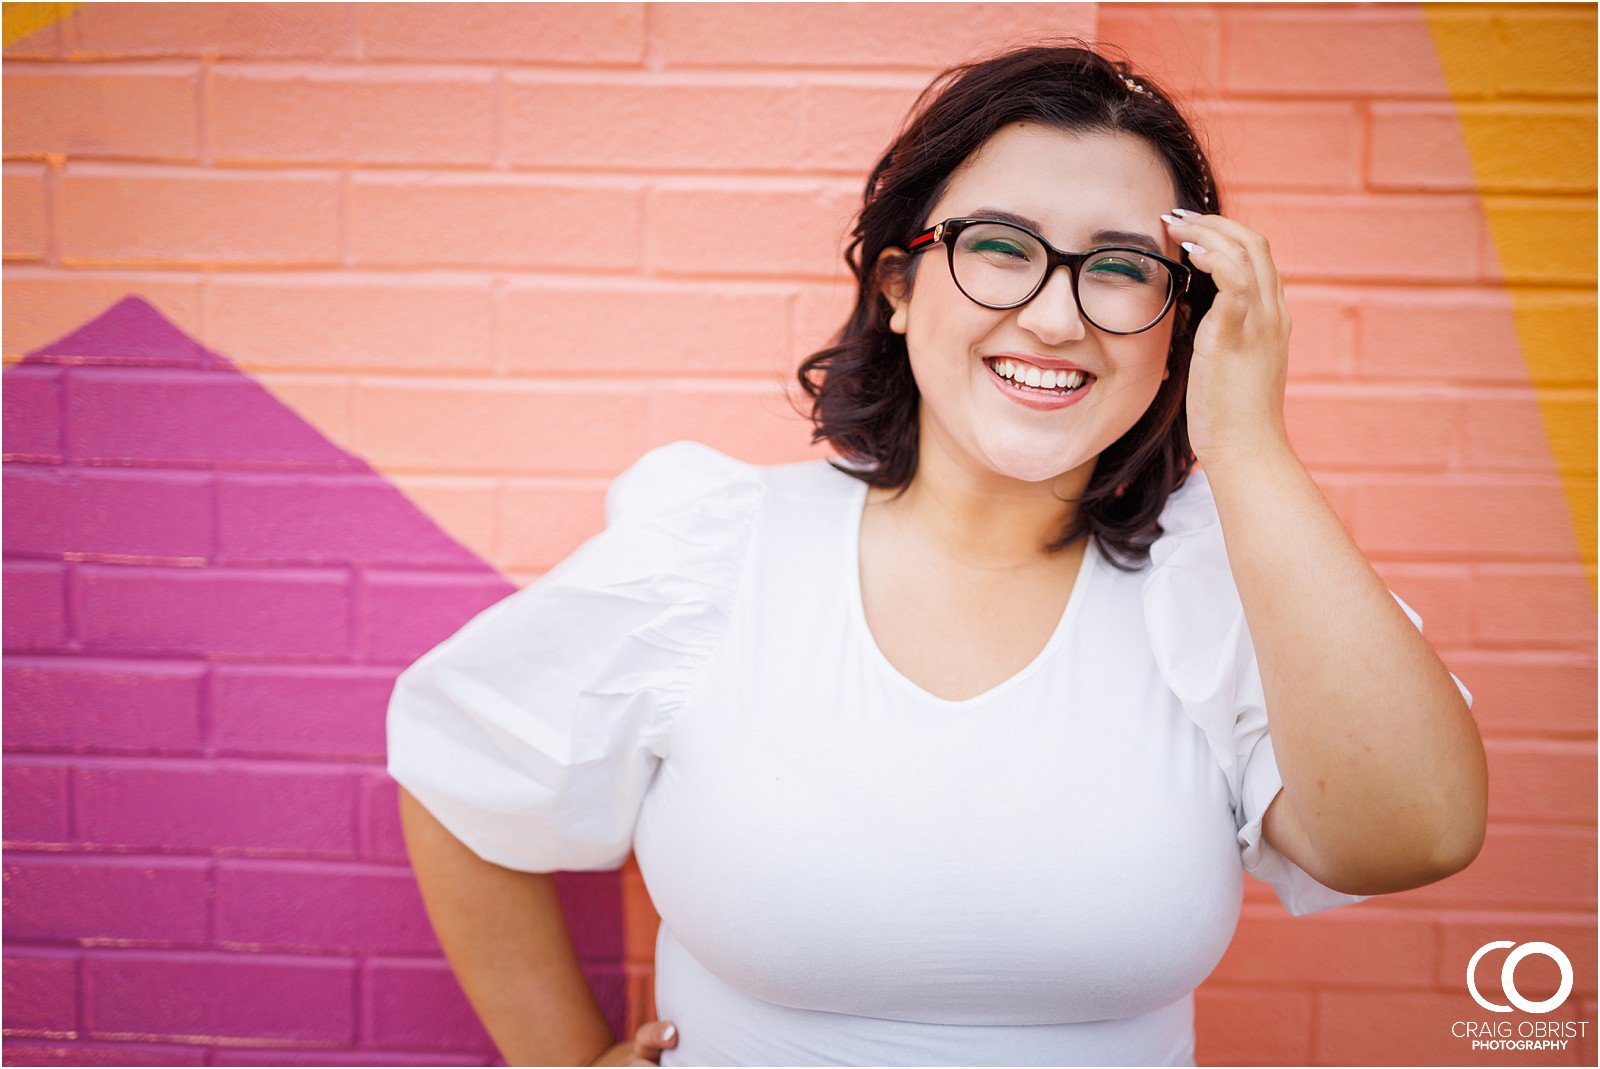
[1120, 289]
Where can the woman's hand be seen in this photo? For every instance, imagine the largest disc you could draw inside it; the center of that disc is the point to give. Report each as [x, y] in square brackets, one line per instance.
[644, 1048]
[1241, 349]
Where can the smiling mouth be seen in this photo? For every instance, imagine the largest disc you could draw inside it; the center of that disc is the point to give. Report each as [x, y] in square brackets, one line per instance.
[995, 366]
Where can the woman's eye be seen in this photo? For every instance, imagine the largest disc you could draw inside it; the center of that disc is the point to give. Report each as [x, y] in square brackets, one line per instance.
[1120, 267]
[1004, 247]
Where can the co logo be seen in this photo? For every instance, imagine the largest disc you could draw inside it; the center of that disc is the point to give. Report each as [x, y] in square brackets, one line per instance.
[1508, 972]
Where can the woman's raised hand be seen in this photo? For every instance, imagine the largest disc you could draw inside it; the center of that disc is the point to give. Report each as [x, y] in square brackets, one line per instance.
[644, 1048]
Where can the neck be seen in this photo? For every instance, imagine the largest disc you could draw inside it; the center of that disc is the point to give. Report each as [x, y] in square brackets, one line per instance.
[970, 517]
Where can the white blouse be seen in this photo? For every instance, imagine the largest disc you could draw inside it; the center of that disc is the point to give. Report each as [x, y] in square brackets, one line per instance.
[848, 869]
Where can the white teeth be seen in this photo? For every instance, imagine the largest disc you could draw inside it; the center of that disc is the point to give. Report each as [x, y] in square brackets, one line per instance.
[1032, 376]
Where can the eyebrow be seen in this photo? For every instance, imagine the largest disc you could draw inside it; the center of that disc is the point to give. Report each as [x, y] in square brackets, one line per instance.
[1099, 237]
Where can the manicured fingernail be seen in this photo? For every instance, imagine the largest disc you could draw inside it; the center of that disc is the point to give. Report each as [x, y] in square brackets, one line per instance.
[1183, 211]
[667, 1033]
[1175, 221]
[1192, 247]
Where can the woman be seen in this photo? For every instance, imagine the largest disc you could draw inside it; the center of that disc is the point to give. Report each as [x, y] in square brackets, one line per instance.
[955, 752]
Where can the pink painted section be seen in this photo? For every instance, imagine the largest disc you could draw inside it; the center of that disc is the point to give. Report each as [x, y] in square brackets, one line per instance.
[206, 605]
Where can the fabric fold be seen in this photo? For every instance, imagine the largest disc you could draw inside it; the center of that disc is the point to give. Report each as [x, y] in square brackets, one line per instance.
[1196, 626]
[535, 730]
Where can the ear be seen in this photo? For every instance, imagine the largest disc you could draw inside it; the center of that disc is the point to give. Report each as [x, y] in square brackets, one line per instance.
[892, 262]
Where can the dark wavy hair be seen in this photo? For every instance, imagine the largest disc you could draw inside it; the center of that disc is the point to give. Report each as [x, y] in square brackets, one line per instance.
[864, 399]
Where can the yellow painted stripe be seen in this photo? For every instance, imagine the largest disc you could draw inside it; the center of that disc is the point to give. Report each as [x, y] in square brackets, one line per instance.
[1537, 194]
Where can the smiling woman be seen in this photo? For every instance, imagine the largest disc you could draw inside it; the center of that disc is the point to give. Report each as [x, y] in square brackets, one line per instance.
[955, 750]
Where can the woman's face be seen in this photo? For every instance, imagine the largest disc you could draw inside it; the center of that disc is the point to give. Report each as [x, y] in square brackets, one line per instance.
[1072, 185]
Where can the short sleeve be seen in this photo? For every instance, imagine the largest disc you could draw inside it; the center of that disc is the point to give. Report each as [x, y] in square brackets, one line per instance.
[535, 730]
[1196, 625]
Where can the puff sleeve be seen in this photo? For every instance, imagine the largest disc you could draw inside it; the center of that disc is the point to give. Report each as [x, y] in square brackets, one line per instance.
[535, 730]
[1196, 626]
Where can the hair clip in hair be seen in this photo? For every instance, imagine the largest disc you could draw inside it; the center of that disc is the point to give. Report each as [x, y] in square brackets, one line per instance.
[1131, 84]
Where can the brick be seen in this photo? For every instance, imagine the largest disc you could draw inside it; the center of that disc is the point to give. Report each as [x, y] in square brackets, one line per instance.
[1178, 45]
[95, 706]
[1252, 1026]
[279, 1056]
[474, 221]
[418, 1004]
[1343, 53]
[32, 406]
[199, 218]
[321, 401]
[1440, 594]
[845, 127]
[381, 837]
[1531, 240]
[1520, 864]
[1425, 146]
[93, 900]
[71, 1055]
[321, 907]
[215, 612]
[1546, 52]
[213, 806]
[41, 993]
[335, 323]
[315, 30]
[547, 327]
[1462, 934]
[1532, 605]
[466, 508]
[1484, 518]
[1391, 237]
[587, 34]
[1466, 337]
[779, 231]
[37, 33]
[800, 35]
[35, 606]
[1285, 145]
[499, 427]
[769, 429]
[544, 524]
[42, 310]
[1523, 693]
[1366, 428]
[1541, 781]
[345, 115]
[328, 519]
[1410, 1029]
[36, 808]
[108, 513]
[196, 417]
[25, 221]
[219, 995]
[404, 615]
[654, 124]
[1272, 948]
[300, 710]
[1523, 430]
[91, 113]
[1549, 325]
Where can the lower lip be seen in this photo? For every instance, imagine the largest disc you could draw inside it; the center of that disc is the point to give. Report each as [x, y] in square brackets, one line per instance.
[1034, 398]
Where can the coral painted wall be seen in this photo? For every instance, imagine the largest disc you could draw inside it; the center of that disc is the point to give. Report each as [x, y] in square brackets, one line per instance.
[326, 325]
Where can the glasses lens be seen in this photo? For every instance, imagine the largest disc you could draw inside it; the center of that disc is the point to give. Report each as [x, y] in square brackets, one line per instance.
[1121, 289]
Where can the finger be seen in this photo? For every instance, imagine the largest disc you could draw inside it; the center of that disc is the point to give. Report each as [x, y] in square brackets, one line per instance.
[1257, 250]
[1224, 261]
[655, 1036]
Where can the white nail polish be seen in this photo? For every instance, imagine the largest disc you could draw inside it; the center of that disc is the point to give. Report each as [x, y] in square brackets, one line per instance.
[1174, 220]
[667, 1033]
[1193, 248]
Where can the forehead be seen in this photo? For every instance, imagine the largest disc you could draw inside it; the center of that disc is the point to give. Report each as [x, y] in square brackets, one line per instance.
[1071, 183]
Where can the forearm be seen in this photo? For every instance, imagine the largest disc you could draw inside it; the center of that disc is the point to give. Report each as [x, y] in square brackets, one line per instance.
[1378, 751]
[506, 938]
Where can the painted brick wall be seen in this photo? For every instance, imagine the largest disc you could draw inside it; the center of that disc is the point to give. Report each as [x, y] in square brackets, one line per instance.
[304, 306]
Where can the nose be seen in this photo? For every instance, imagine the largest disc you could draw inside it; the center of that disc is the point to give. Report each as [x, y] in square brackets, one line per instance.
[1053, 315]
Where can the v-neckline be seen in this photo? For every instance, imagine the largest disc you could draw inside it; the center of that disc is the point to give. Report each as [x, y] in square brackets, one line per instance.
[856, 513]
